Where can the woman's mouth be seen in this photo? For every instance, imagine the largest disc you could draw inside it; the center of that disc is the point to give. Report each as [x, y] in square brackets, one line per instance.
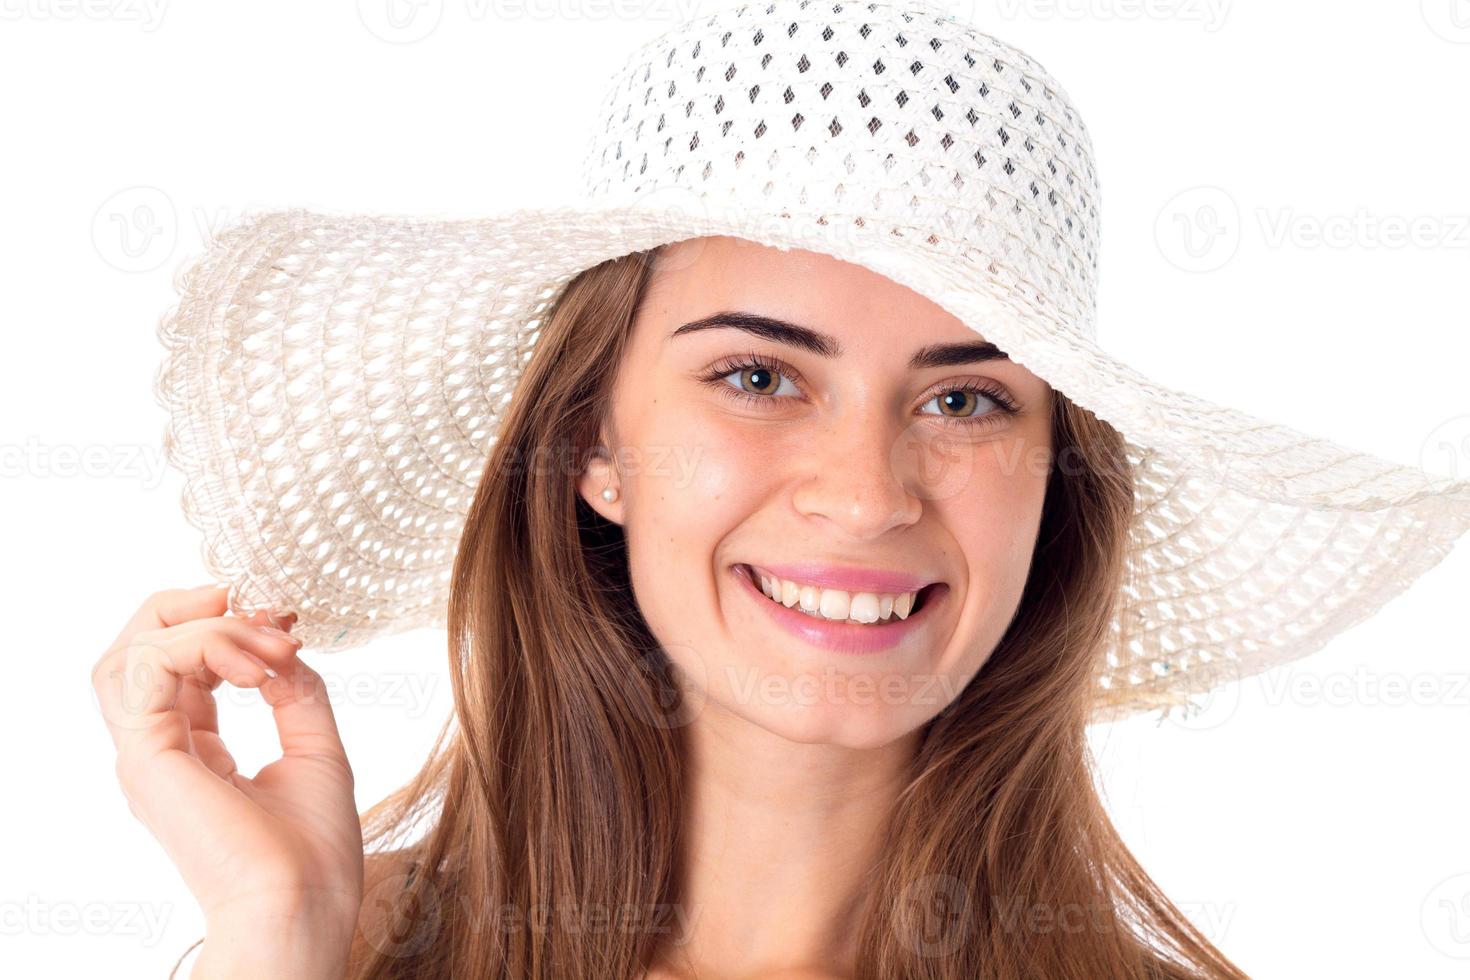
[838, 605]
[856, 622]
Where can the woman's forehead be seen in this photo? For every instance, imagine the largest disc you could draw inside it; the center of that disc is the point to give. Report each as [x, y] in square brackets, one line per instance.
[698, 276]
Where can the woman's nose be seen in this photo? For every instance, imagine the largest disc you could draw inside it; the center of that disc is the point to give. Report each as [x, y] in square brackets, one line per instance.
[862, 476]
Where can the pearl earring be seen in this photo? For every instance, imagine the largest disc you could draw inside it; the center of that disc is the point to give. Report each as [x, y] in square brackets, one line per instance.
[609, 494]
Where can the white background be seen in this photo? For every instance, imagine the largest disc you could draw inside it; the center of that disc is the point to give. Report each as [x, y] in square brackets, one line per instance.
[1310, 832]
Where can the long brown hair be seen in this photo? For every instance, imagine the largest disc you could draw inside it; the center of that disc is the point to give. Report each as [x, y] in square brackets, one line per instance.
[553, 799]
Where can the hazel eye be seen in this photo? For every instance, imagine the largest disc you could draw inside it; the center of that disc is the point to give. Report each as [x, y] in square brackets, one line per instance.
[967, 404]
[960, 403]
[760, 380]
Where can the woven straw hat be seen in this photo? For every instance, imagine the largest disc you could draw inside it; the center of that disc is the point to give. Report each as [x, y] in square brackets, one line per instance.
[334, 382]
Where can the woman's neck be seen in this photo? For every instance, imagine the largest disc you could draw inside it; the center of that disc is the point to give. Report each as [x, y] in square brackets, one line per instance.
[778, 838]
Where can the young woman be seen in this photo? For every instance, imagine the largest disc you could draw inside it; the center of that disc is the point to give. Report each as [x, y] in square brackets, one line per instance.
[788, 566]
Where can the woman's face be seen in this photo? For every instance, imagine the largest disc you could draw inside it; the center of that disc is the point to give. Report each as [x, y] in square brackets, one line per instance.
[854, 441]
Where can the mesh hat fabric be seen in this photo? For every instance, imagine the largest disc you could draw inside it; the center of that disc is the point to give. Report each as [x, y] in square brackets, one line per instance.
[334, 382]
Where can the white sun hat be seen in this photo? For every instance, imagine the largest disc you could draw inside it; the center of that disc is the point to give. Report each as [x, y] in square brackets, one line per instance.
[335, 382]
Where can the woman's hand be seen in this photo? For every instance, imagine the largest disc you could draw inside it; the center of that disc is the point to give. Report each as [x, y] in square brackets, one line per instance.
[282, 846]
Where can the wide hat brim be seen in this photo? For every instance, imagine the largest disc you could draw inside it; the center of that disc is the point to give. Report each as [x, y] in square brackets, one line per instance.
[334, 385]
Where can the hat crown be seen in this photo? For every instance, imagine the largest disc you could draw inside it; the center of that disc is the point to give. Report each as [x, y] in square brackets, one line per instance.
[863, 115]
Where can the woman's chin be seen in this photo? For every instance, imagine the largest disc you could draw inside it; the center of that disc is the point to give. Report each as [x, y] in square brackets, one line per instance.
[830, 721]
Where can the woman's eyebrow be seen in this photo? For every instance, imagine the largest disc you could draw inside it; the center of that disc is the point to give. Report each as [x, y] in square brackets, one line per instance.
[825, 345]
[769, 328]
[953, 355]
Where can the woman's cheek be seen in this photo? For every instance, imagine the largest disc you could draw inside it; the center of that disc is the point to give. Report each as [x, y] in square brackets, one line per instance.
[729, 460]
[699, 480]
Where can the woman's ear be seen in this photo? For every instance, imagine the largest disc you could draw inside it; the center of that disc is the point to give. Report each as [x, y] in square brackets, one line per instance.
[598, 485]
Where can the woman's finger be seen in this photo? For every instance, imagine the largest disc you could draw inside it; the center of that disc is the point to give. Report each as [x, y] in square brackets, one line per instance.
[158, 756]
[305, 723]
[196, 697]
[148, 674]
[156, 783]
[175, 607]
[160, 610]
[197, 701]
[210, 749]
[152, 678]
[169, 607]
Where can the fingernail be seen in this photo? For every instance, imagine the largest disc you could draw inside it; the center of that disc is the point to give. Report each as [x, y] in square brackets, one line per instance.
[280, 620]
[211, 585]
[269, 670]
[279, 634]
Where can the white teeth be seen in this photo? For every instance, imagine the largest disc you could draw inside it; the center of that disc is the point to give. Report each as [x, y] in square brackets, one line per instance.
[836, 604]
[864, 607]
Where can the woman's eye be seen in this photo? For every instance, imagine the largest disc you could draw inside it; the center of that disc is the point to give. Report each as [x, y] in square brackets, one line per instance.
[965, 403]
[761, 381]
[756, 382]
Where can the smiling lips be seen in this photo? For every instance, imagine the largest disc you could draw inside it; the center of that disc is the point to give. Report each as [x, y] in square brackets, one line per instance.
[837, 619]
